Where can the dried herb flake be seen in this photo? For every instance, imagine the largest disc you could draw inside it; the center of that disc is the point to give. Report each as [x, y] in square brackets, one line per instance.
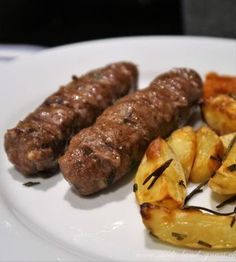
[135, 187]
[229, 147]
[181, 183]
[227, 201]
[233, 221]
[157, 173]
[178, 236]
[232, 167]
[205, 244]
[30, 183]
[210, 210]
[196, 190]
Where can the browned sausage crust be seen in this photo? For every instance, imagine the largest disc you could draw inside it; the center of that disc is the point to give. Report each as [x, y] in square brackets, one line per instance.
[103, 153]
[35, 144]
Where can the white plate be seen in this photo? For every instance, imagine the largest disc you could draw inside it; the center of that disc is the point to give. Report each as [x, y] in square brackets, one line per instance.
[50, 221]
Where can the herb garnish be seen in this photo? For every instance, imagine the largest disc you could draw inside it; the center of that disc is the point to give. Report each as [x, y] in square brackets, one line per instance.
[211, 211]
[197, 190]
[178, 236]
[205, 244]
[30, 183]
[233, 221]
[135, 187]
[157, 173]
[181, 183]
[232, 167]
[229, 147]
[227, 201]
[74, 77]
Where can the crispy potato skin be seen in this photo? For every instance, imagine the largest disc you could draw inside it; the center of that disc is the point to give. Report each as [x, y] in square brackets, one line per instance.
[166, 191]
[220, 113]
[183, 142]
[162, 206]
[215, 84]
[208, 152]
[189, 228]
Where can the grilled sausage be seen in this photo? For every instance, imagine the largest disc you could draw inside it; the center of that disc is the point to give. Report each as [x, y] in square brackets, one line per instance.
[35, 144]
[100, 155]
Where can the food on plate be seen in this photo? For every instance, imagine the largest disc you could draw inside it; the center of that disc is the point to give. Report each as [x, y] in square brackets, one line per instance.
[190, 227]
[219, 103]
[100, 155]
[183, 142]
[226, 140]
[35, 144]
[160, 163]
[215, 84]
[160, 190]
[224, 181]
[220, 113]
[209, 152]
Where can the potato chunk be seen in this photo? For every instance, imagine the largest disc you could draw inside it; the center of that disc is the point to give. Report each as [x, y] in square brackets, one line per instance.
[220, 113]
[190, 228]
[224, 181]
[226, 140]
[208, 154]
[170, 187]
[215, 84]
[183, 142]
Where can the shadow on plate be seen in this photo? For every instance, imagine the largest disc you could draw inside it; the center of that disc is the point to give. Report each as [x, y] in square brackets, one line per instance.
[46, 180]
[117, 192]
[195, 119]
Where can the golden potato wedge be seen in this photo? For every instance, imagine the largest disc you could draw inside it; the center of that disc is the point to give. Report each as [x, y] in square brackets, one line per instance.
[190, 228]
[226, 140]
[215, 84]
[224, 181]
[220, 113]
[171, 187]
[183, 142]
[208, 154]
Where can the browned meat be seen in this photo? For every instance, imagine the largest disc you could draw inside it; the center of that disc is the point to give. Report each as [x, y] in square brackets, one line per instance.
[103, 153]
[35, 144]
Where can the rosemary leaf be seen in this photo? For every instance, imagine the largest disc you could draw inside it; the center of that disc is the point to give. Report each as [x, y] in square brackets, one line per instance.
[181, 183]
[232, 167]
[30, 183]
[157, 173]
[205, 244]
[135, 187]
[227, 201]
[178, 236]
[210, 210]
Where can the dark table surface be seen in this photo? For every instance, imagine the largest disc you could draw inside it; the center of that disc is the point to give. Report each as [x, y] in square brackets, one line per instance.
[52, 23]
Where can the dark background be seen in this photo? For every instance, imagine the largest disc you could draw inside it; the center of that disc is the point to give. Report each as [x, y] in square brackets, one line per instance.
[52, 23]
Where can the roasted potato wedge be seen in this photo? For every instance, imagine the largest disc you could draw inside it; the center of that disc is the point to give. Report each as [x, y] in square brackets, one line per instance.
[208, 154]
[189, 228]
[224, 181]
[227, 139]
[161, 195]
[216, 84]
[171, 187]
[183, 142]
[219, 113]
